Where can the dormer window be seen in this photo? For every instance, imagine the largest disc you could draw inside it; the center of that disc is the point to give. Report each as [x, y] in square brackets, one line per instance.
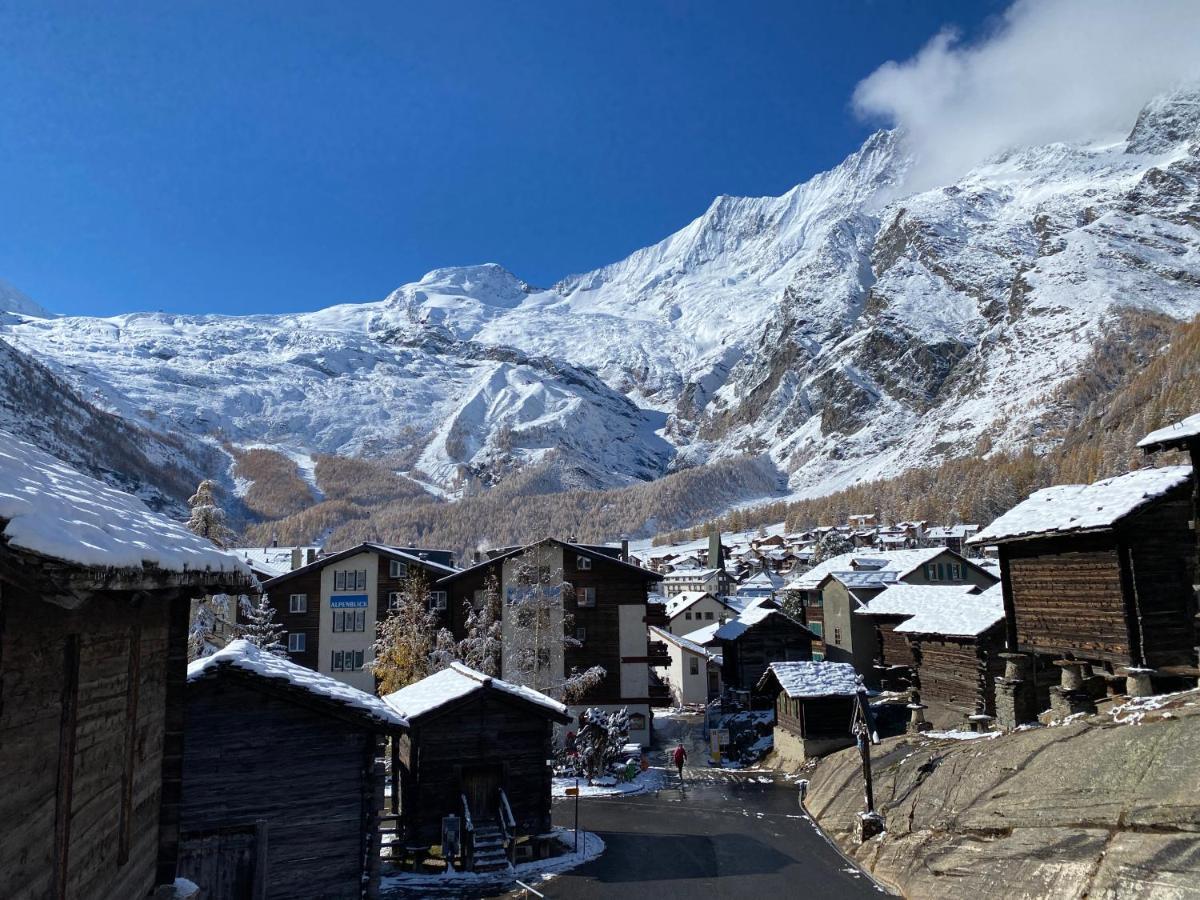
[583, 563]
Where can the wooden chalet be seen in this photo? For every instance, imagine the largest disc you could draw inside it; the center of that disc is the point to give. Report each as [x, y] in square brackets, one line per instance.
[1184, 437]
[956, 649]
[814, 707]
[758, 637]
[280, 787]
[94, 598]
[1102, 573]
[477, 748]
[607, 602]
[895, 662]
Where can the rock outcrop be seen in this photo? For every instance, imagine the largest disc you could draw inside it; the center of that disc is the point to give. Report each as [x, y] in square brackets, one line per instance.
[1102, 807]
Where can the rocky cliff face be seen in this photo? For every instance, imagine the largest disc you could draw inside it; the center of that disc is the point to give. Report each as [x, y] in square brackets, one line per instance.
[848, 329]
[1104, 807]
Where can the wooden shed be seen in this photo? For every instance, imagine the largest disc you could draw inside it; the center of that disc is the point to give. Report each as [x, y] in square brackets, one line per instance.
[814, 707]
[280, 787]
[956, 646]
[758, 637]
[477, 748]
[94, 597]
[894, 661]
[1102, 573]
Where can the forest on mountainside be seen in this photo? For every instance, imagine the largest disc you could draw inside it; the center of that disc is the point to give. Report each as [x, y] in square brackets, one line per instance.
[1089, 431]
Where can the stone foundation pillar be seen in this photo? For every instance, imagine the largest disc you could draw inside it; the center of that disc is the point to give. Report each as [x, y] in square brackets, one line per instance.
[916, 718]
[1016, 700]
[868, 825]
[1065, 703]
[1138, 683]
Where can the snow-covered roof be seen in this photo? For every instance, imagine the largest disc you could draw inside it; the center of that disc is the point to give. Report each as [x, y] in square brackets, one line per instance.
[735, 628]
[681, 641]
[683, 600]
[1178, 431]
[246, 657]
[969, 615]
[272, 560]
[457, 682]
[763, 579]
[56, 512]
[866, 578]
[902, 562]
[1074, 508]
[817, 679]
[909, 599]
[690, 574]
[704, 635]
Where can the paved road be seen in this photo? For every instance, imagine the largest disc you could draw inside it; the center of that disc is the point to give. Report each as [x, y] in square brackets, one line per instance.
[718, 834]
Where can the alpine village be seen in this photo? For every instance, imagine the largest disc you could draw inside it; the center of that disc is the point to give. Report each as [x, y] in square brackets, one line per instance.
[845, 543]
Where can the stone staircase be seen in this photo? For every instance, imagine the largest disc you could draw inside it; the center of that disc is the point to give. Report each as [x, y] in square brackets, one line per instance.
[489, 849]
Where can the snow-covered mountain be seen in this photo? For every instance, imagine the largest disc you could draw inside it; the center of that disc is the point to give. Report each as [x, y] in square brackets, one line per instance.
[14, 301]
[849, 329]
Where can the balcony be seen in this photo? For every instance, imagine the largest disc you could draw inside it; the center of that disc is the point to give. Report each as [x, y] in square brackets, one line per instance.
[656, 614]
[660, 695]
[657, 655]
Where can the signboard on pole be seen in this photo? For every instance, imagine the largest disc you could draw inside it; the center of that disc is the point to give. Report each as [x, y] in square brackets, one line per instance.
[720, 739]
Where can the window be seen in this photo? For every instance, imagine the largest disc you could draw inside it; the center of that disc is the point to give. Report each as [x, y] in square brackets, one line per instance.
[955, 572]
[837, 634]
[298, 603]
[688, 615]
[350, 580]
[397, 569]
[814, 598]
[708, 616]
[581, 634]
[296, 642]
[586, 596]
[693, 665]
[931, 572]
[941, 570]
[346, 660]
[349, 620]
[817, 628]
[394, 598]
[437, 600]
[583, 563]
[818, 656]
[479, 598]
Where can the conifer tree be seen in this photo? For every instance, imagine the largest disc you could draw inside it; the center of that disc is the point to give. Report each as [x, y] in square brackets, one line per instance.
[207, 518]
[261, 629]
[481, 647]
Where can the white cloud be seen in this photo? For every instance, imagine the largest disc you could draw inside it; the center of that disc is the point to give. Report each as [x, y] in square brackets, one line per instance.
[1051, 70]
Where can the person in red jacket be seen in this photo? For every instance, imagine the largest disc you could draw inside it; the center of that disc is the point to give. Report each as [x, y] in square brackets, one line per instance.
[680, 757]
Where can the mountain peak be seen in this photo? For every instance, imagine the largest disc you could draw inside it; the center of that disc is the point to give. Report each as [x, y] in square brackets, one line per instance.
[1167, 120]
[485, 282]
[15, 301]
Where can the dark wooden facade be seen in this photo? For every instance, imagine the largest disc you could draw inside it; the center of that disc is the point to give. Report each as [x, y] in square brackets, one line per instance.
[292, 773]
[1122, 596]
[92, 669]
[777, 638]
[476, 746]
[959, 673]
[819, 718]
[616, 584]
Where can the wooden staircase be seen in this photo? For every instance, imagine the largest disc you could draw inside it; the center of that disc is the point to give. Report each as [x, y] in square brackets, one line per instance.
[490, 852]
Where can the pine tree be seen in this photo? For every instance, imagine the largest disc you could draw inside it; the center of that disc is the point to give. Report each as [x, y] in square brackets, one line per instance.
[207, 518]
[405, 642]
[600, 740]
[261, 629]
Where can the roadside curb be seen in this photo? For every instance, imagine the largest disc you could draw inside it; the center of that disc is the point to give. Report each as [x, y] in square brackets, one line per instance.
[850, 861]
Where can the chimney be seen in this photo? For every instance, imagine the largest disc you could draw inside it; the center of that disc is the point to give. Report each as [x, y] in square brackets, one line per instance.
[624, 549]
[274, 540]
[476, 557]
[297, 557]
[311, 555]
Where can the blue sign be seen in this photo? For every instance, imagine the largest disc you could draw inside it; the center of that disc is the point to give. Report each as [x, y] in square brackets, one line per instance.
[348, 601]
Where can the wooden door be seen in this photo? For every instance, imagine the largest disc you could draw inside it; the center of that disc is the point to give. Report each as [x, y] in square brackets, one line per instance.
[481, 787]
[228, 863]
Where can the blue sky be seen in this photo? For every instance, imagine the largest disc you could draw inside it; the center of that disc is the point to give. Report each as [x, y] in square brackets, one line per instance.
[263, 156]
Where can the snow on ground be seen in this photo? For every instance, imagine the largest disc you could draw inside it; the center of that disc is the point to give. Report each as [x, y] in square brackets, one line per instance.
[609, 786]
[960, 735]
[413, 884]
[57, 512]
